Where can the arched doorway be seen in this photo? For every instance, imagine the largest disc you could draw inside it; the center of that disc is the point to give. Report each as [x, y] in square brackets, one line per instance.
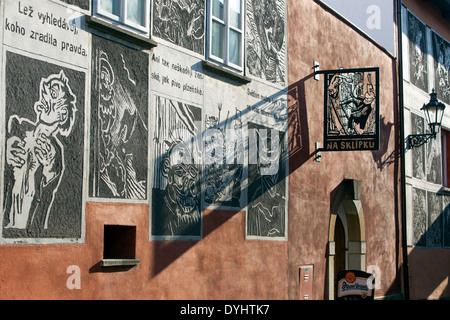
[346, 238]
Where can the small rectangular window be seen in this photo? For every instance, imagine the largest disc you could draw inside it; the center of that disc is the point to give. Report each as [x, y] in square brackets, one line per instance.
[132, 14]
[226, 34]
[119, 242]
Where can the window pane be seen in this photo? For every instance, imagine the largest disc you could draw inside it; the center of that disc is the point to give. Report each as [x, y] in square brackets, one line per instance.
[110, 6]
[218, 40]
[136, 11]
[235, 47]
[235, 13]
[218, 9]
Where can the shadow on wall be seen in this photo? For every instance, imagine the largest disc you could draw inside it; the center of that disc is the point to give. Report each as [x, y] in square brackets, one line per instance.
[268, 210]
[292, 155]
[427, 268]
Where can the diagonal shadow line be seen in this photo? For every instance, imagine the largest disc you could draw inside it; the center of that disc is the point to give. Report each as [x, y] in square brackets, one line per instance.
[166, 252]
[297, 153]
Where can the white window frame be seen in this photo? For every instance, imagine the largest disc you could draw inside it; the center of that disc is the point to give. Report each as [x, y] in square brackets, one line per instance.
[226, 60]
[121, 19]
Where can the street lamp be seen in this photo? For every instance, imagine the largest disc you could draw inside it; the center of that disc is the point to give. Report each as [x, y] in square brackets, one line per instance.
[434, 112]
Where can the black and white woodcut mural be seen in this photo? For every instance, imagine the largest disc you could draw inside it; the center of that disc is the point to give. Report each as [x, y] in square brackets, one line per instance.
[176, 211]
[266, 40]
[267, 198]
[119, 125]
[223, 171]
[44, 150]
[434, 234]
[417, 52]
[441, 54]
[418, 154]
[446, 221]
[419, 216]
[181, 22]
[433, 161]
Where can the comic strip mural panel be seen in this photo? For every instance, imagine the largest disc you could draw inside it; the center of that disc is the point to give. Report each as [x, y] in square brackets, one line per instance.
[181, 23]
[351, 110]
[176, 144]
[119, 126]
[266, 40]
[267, 198]
[224, 147]
[441, 53]
[417, 52]
[44, 150]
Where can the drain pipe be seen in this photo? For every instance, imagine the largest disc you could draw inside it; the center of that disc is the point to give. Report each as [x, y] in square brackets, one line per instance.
[402, 147]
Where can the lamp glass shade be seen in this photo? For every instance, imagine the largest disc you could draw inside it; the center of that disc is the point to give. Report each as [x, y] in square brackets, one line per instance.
[434, 112]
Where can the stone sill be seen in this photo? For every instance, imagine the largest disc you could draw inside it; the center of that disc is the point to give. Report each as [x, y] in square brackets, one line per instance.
[444, 191]
[109, 28]
[119, 262]
[225, 72]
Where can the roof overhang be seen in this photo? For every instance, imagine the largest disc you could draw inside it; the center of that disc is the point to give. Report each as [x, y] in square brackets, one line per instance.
[443, 6]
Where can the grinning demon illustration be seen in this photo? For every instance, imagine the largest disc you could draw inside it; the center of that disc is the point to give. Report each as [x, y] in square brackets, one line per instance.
[36, 155]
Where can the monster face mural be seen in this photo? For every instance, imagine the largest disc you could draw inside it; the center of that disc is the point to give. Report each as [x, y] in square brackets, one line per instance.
[42, 139]
[176, 205]
[119, 144]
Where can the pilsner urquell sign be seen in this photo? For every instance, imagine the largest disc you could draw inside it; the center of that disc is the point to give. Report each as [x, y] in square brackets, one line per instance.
[355, 285]
[351, 109]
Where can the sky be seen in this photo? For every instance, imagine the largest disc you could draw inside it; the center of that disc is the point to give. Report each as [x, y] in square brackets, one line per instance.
[374, 17]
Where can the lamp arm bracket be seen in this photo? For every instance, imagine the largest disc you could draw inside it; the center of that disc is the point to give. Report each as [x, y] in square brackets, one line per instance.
[417, 140]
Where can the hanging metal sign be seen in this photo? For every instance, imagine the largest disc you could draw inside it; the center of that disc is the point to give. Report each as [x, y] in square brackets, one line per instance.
[352, 109]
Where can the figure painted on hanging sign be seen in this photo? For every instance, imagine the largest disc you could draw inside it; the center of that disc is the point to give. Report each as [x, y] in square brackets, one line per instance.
[36, 155]
[351, 104]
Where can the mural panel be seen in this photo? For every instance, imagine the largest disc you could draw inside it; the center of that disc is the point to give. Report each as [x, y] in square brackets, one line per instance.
[266, 40]
[418, 154]
[434, 164]
[434, 233]
[266, 118]
[441, 53]
[177, 74]
[176, 211]
[119, 126]
[181, 23]
[44, 150]
[419, 216]
[224, 146]
[267, 197]
[47, 28]
[417, 52]
[446, 221]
